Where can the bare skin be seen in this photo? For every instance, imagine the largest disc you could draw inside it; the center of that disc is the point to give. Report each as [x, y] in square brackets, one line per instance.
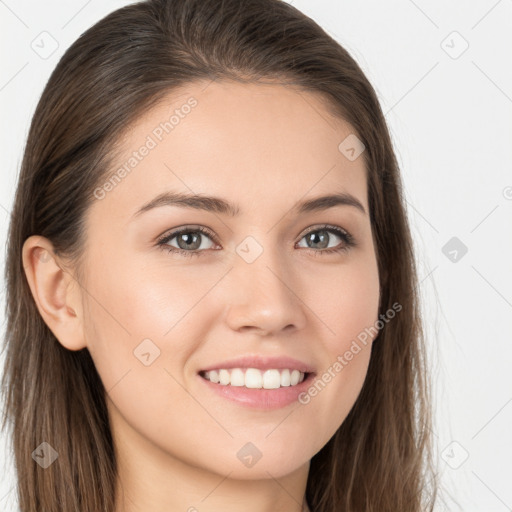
[264, 148]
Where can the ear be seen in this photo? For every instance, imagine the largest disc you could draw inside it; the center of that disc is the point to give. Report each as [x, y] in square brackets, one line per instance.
[55, 291]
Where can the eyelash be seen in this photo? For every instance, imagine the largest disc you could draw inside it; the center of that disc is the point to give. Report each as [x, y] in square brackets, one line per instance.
[347, 238]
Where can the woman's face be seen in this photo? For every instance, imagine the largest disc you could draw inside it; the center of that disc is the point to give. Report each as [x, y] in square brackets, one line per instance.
[254, 285]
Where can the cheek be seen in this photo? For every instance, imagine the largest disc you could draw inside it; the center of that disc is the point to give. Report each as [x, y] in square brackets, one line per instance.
[345, 300]
[141, 366]
[134, 308]
[348, 309]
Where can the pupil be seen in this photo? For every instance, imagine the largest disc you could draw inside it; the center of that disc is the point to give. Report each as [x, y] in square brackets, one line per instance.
[187, 237]
[316, 238]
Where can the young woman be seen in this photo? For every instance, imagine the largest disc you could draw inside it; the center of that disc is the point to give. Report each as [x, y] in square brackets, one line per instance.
[211, 286]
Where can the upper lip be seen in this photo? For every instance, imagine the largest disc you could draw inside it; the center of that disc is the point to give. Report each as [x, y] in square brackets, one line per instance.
[262, 363]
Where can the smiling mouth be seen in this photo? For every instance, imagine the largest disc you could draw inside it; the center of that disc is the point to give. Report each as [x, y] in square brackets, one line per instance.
[254, 378]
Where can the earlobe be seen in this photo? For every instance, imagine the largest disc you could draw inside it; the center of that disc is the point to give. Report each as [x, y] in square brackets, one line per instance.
[55, 292]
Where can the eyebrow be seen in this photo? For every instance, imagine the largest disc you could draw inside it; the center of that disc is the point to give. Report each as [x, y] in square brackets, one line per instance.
[221, 206]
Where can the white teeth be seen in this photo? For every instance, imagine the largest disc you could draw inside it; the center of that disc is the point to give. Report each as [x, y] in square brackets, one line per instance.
[271, 379]
[224, 377]
[214, 376]
[254, 378]
[237, 377]
[285, 377]
[294, 377]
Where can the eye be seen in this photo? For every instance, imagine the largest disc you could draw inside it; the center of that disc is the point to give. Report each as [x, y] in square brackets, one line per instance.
[320, 237]
[189, 240]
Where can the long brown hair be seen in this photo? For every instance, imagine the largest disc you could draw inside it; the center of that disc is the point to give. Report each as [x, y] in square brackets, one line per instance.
[380, 459]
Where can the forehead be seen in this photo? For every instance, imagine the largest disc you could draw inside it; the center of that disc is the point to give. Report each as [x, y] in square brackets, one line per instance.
[263, 144]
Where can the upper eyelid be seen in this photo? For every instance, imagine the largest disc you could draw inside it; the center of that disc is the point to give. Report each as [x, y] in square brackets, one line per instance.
[169, 235]
[327, 227]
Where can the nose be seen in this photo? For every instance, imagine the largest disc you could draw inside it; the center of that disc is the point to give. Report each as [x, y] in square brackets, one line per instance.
[265, 295]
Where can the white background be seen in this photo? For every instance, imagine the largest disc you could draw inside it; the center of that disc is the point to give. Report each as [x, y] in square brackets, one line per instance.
[450, 116]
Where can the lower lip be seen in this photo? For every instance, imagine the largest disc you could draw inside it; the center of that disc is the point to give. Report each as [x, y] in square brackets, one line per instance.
[264, 399]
